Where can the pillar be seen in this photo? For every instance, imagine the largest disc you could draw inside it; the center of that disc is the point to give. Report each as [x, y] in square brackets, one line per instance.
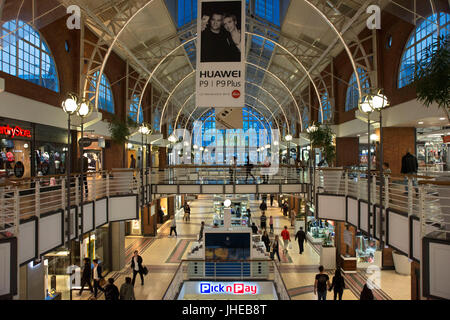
[149, 221]
[396, 142]
[415, 280]
[162, 156]
[117, 234]
[347, 151]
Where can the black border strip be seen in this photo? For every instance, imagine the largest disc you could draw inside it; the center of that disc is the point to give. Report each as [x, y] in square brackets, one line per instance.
[426, 265]
[82, 232]
[389, 210]
[36, 236]
[328, 194]
[60, 211]
[351, 197]
[411, 235]
[107, 210]
[137, 206]
[13, 267]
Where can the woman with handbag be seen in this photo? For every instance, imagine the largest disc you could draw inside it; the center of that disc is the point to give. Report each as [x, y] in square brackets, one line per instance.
[136, 266]
[275, 246]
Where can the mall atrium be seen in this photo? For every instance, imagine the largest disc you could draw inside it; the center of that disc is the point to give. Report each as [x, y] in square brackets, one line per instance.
[224, 149]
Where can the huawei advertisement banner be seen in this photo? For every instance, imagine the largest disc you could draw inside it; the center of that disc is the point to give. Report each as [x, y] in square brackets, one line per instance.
[220, 74]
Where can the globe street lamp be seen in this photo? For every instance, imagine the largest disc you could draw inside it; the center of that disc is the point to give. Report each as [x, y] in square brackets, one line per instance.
[144, 130]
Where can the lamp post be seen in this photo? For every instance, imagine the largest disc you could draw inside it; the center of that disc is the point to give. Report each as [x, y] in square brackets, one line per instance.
[144, 130]
[312, 158]
[369, 104]
[84, 110]
[70, 106]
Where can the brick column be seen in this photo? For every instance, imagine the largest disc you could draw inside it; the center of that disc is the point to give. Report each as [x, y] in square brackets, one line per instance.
[347, 151]
[396, 141]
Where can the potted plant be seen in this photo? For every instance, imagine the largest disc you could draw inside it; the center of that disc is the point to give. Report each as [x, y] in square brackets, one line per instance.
[120, 130]
[431, 75]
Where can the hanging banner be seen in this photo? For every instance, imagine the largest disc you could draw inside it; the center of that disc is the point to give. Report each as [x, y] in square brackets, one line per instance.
[220, 74]
[229, 118]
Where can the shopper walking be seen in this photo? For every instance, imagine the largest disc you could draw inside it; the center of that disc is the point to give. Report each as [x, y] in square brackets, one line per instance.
[285, 209]
[338, 284]
[321, 283]
[409, 166]
[86, 276]
[286, 238]
[132, 162]
[301, 237]
[263, 220]
[292, 216]
[187, 212]
[366, 293]
[161, 215]
[248, 170]
[137, 267]
[111, 291]
[271, 224]
[275, 248]
[254, 228]
[97, 276]
[173, 226]
[200, 235]
[271, 199]
[263, 207]
[127, 290]
[265, 238]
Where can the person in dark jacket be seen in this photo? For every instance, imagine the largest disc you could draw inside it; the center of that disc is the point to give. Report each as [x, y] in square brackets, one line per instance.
[200, 234]
[136, 266]
[271, 199]
[248, 170]
[263, 206]
[266, 240]
[86, 276]
[285, 208]
[366, 293]
[111, 291]
[275, 248]
[254, 228]
[301, 237]
[409, 166]
[127, 290]
[338, 284]
[97, 276]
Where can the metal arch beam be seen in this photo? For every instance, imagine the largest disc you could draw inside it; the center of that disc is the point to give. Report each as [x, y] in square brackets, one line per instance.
[251, 105]
[248, 63]
[339, 35]
[247, 82]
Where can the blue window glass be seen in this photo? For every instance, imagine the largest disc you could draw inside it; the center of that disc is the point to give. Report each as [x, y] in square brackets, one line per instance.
[133, 111]
[422, 37]
[105, 98]
[326, 108]
[187, 12]
[156, 119]
[25, 54]
[305, 119]
[268, 10]
[352, 97]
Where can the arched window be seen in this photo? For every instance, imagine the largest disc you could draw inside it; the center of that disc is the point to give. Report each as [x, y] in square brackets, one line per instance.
[156, 119]
[133, 111]
[105, 98]
[25, 54]
[421, 38]
[352, 97]
[326, 108]
[305, 119]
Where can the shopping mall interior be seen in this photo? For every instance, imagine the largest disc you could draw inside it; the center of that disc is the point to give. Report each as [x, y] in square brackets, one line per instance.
[235, 145]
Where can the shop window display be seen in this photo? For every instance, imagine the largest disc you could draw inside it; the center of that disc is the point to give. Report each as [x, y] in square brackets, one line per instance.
[238, 207]
[50, 159]
[14, 158]
[320, 231]
[365, 249]
[57, 278]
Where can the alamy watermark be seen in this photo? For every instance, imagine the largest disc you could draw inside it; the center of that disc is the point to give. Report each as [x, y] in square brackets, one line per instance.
[74, 20]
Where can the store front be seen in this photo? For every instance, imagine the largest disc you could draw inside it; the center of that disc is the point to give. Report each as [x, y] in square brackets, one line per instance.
[366, 251]
[57, 278]
[320, 231]
[239, 205]
[15, 149]
[433, 153]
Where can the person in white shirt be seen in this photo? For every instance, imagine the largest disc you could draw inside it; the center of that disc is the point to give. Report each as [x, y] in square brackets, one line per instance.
[173, 227]
[136, 266]
[97, 275]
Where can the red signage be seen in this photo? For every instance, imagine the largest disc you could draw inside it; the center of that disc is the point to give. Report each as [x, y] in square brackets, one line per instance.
[15, 132]
[236, 94]
[446, 139]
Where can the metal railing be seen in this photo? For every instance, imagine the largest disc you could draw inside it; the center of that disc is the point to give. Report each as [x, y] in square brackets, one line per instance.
[26, 198]
[226, 270]
[434, 208]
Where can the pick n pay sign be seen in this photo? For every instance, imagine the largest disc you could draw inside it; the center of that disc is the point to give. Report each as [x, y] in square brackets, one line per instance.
[228, 288]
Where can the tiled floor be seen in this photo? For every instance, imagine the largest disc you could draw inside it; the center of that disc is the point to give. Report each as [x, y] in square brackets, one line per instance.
[162, 255]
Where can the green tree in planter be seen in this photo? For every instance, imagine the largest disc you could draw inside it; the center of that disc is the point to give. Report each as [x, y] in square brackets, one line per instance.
[432, 75]
[120, 130]
[323, 138]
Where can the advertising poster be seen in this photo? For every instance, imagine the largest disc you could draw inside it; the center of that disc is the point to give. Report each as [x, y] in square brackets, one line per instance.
[229, 118]
[220, 74]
